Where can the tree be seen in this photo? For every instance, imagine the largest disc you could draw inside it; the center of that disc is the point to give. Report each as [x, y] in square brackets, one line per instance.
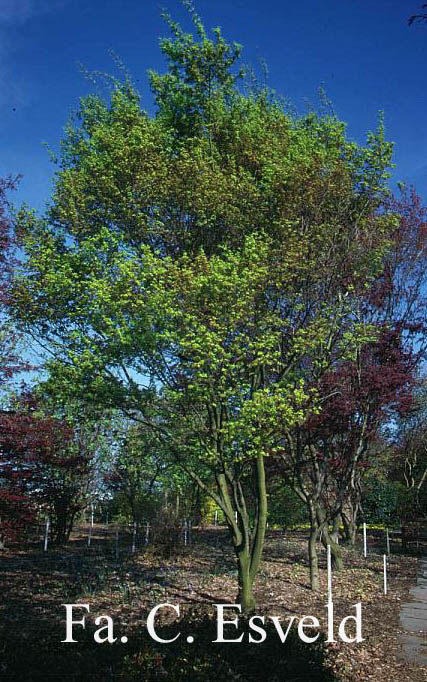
[138, 470]
[336, 445]
[395, 304]
[50, 460]
[408, 455]
[194, 266]
[363, 391]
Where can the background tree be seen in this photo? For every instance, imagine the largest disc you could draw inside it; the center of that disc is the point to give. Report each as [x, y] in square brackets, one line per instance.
[137, 472]
[50, 459]
[408, 457]
[365, 389]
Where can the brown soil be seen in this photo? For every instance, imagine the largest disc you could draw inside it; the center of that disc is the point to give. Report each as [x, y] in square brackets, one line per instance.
[33, 585]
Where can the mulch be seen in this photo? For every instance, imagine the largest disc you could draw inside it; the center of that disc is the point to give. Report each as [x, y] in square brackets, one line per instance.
[34, 585]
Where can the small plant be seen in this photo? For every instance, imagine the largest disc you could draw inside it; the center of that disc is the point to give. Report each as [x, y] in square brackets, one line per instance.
[167, 534]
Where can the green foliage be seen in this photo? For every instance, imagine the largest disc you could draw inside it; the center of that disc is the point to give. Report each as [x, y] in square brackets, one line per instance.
[285, 507]
[382, 503]
[200, 269]
[209, 509]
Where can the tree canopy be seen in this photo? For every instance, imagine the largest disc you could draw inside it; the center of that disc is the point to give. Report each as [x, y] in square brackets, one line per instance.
[202, 269]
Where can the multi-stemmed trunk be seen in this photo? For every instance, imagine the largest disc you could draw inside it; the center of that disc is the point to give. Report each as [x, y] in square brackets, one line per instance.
[319, 529]
[331, 539]
[248, 541]
[350, 513]
[350, 529]
[336, 551]
[60, 523]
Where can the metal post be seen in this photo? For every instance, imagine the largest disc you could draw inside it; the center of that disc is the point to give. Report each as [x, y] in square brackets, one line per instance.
[134, 538]
[89, 536]
[365, 544]
[385, 573]
[387, 537]
[46, 533]
[329, 562]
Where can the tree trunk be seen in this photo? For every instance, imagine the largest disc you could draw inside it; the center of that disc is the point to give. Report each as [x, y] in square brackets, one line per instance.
[245, 595]
[261, 520]
[314, 560]
[336, 551]
[335, 532]
[350, 513]
[60, 524]
[197, 507]
[248, 549]
[70, 525]
[328, 539]
[350, 529]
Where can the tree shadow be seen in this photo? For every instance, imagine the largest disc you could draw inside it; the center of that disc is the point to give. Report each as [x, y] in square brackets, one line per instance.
[31, 651]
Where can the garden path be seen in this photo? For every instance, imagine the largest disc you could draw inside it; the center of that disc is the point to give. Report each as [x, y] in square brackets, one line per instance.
[413, 620]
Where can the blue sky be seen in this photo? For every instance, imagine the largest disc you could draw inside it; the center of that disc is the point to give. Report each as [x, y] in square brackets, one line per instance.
[361, 51]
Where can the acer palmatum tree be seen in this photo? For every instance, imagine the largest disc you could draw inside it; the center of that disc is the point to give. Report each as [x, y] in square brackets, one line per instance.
[397, 303]
[218, 248]
[325, 459]
[50, 460]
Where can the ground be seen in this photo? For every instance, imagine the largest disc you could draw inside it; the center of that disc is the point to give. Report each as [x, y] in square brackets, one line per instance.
[34, 585]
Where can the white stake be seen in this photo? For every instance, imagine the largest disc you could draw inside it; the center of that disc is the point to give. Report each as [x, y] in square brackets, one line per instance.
[387, 541]
[385, 574]
[235, 516]
[89, 536]
[134, 538]
[365, 545]
[329, 574]
[147, 532]
[216, 517]
[117, 543]
[46, 534]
